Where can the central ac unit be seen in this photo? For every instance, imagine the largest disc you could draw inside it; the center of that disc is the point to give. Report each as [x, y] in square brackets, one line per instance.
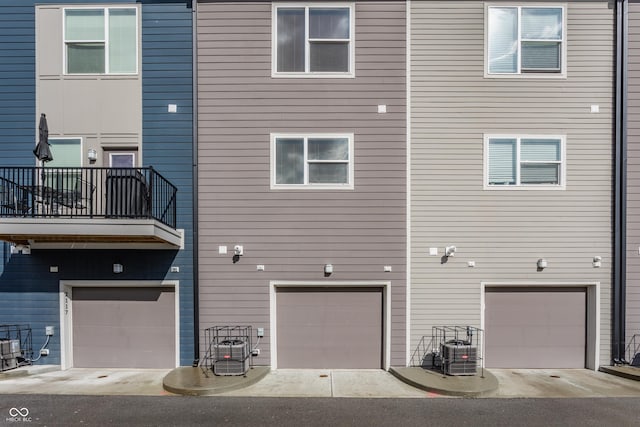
[231, 357]
[459, 358]
[9, 353]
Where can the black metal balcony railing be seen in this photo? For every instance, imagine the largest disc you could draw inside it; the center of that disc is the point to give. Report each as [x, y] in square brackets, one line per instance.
[87, 193]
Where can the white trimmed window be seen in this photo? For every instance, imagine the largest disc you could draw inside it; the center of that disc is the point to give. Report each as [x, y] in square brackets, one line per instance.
[323, 161]
[313, 40]
[524, 161]
[101, 40]
[524, 40]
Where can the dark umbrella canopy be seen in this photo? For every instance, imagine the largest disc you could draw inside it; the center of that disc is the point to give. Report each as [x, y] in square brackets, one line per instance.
[42, 150]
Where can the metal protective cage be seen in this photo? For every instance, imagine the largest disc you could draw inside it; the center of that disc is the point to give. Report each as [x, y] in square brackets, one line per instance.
[228, 350]
[15, 346]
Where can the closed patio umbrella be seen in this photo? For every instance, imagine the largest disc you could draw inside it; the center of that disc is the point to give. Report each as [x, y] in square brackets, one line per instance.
[42, 150]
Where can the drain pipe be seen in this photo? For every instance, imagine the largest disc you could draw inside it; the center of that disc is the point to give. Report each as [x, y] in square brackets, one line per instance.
[194, 183]
[620, 197]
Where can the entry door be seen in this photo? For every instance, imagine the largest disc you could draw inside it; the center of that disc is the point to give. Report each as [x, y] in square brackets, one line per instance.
[329, 328]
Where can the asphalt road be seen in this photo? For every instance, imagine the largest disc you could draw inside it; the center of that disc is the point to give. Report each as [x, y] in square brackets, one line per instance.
[62, 410]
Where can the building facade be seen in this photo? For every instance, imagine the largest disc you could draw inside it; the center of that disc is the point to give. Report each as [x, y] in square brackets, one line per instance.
[302, 178]
[99, 239]
[512, 123]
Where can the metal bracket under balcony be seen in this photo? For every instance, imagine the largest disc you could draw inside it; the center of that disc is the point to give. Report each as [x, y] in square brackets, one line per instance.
[88, 208]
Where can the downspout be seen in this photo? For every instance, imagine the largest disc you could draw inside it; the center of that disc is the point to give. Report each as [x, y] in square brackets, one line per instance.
[194, 180]
[620, 202]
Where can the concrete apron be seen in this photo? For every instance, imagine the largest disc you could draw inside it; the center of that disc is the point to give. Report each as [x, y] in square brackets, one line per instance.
[322, 383]
[77, 381]
[555, 383]
[364, 383]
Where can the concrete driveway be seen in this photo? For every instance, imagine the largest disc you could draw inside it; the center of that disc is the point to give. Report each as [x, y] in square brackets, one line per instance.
[323, 383]
[562, 383]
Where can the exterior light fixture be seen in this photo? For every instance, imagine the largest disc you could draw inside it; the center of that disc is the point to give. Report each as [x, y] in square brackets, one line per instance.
[118, 268]
[328, 269]
[449, 251]
[92, 155]
[542, 264]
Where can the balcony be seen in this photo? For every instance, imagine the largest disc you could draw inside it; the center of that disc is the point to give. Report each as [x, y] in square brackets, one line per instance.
[88, 208]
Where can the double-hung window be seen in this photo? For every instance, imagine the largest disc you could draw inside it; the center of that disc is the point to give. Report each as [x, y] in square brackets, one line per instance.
[313, 40]
[101, 40]
[523, 40]
[323, 161]
[524, 161]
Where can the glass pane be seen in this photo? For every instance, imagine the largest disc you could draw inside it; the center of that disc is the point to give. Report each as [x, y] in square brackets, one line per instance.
[539, 150]
[84, 24]
[502, 162]
[85, 58]
[328, 149]
[328, 23]
[539, 174]
[290, 161]
[542, 23]
[65, 152]
[541, 56]
[122, 41]
[291, 42]
[329, 56]
[503, 40]
[122, 160]
[328, 173]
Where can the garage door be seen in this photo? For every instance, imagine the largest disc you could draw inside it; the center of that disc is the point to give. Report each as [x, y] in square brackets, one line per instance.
[124, 328]
[329, 328]
[535, 328]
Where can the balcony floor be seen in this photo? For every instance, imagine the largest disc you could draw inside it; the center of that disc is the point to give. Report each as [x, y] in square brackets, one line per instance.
[89, 233]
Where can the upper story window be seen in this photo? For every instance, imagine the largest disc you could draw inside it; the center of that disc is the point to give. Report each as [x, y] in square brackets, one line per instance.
[313, 40]
[320, 161]
[101, 41]
[524, 161]
[526, 40]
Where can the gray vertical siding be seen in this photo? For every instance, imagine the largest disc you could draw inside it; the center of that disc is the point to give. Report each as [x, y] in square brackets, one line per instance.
[633, 173]
[505, 232]
[294, 233]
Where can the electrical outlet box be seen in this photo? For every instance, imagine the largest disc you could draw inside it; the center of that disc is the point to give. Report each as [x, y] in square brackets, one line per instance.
[48, 330]
[44, 352]
[260, 332]
[255, 352]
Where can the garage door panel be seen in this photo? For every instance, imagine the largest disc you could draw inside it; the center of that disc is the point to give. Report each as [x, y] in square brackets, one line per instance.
[124, 327]
[535, 328]
[320, 328]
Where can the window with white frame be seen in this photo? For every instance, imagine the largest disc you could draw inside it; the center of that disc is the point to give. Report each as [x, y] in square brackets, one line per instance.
[524, 40]
[122, 159]
[320, 161]
[101, 40]
[524, 161]
[315, 39]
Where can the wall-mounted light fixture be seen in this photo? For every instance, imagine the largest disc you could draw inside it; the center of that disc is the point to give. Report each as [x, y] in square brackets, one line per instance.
[328, 269]
[542, 264]
[597, 262]
[238, 250]
[118, 268]
[92, 155]
[449, 251]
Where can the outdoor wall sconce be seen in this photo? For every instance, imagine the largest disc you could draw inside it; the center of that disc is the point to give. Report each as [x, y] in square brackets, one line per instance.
[328, 269]
[597, 262]
[117, 268]
[542, 264]
[449, 251]
[92, 155]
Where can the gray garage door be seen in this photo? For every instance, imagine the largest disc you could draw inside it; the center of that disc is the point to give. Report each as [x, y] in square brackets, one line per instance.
[535, 328]
[124, 328]
[329, 328]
